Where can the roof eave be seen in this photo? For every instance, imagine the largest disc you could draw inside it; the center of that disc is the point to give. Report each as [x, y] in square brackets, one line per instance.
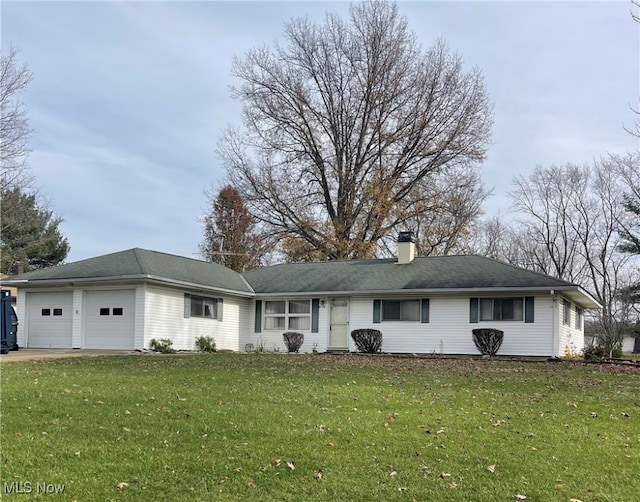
[123, 279]
[429, 291]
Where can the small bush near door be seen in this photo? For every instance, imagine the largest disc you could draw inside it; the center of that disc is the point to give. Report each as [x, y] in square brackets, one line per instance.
[293, 340]
[164, 346]
[206, 344]
[488, 340]
[367, 340]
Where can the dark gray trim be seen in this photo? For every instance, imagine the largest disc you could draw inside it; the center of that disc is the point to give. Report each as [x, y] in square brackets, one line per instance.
[424, 310]
[473, 310]
[529, 308]
[258, 320]
[377, 308]
[315, 315]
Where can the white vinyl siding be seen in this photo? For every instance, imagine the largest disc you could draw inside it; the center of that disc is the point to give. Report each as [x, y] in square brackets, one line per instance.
[571, 337]
[449, 329]
[164, 318]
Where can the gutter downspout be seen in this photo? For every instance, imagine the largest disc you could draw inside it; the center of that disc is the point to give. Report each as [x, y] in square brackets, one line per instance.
[554, 323]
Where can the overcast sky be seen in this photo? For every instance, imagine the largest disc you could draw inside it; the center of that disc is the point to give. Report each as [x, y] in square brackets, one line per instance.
[128, 99]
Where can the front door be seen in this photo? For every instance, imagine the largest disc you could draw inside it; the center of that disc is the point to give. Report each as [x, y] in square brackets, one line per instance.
[339, 329]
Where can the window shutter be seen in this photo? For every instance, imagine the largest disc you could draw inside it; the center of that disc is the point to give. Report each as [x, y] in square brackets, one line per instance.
[473, 310]
[187, 305]
[258, 320]
[315, 314]
[424, 315]
[377, 304]
[220, 308]
[529, 306]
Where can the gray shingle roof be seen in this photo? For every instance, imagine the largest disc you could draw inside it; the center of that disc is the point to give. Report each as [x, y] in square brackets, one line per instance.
[142, 263]
[428, 273]
[440, 273]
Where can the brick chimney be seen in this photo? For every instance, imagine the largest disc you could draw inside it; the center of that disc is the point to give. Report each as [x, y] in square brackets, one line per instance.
[406, 248]
[20, 268]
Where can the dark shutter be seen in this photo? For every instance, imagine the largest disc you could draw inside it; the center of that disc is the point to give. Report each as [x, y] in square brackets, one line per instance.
[473, 310]
[315, 314]
[220, 308]
[377, 304]
[529, 306]
[187, 305]
[424, 311]
[258, 320]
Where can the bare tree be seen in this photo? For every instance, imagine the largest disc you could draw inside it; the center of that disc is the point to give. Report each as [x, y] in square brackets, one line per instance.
[627, 167]
[571, 220]
[442, 212]
[549, 229]
[635, 15]
[344, 123]
[14, 124]
[229, 237]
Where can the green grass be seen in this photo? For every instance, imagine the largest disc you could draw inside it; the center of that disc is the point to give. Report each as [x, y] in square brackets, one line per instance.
[225, 427]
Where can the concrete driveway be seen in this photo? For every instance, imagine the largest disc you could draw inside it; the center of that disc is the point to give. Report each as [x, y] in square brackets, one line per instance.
[39, 354]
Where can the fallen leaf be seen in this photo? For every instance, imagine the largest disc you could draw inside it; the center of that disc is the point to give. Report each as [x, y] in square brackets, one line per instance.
[291, 466]
[521, 497]
[453, 486]
[127, 412]
[533, 448]
[122, 485]
[319, 474]
[444, 475]
[251, 484]
[331, 443]
[492, 468]
[393, 474]
[594, 414]
[575, 500]
[276, 462]
[557, 486]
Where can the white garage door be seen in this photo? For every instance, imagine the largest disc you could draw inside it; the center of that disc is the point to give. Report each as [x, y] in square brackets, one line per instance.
[109, 319]
[49, 320]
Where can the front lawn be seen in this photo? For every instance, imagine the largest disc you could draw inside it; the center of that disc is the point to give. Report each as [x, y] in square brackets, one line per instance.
[318, 427]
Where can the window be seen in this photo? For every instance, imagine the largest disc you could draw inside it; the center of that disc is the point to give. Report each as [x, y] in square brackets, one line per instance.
[117, 311]
[501, 309]
[291, 315]
[566, 307]
[400, 310]
[201, 306]
[46, 312]
[578, 318]
[104, 311]
[57, 312]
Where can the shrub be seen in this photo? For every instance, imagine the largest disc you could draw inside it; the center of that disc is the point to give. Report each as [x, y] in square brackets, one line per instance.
[367, 340]
[488, 340]
[206, 344]
[164, 346]
[617, 352]
[594, 352]
[293, 340]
